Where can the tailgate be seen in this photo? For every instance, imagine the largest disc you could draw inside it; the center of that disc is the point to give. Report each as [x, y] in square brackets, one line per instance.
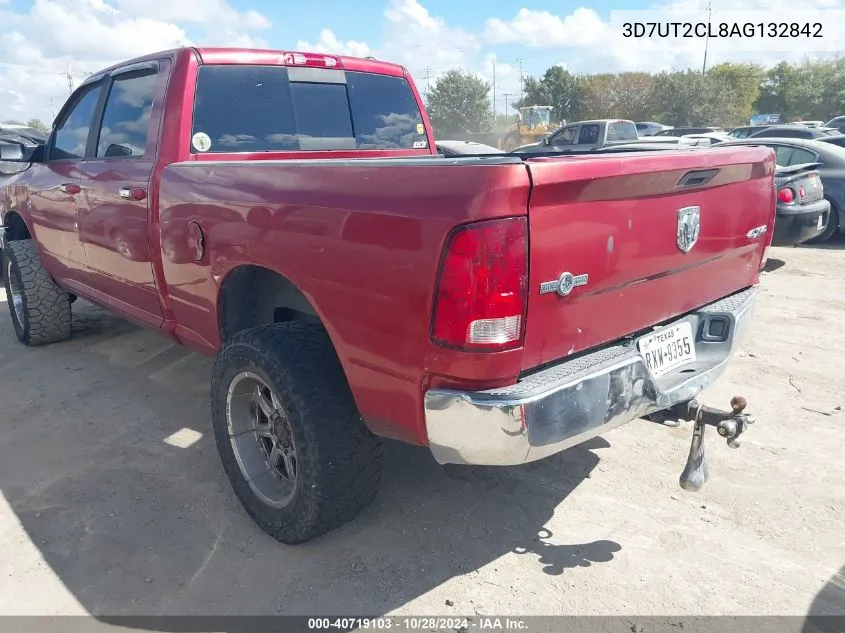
[624, 228]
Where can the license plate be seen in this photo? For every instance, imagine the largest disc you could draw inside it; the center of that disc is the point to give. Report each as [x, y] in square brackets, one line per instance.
[667, 349]
[821, 222]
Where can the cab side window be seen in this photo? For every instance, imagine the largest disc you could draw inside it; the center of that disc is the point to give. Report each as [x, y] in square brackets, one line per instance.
[589, 135]
[126, 117]
[71, 137]
[565, 137]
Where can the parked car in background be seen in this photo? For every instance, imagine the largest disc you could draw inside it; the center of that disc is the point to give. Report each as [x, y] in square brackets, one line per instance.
[29, 133]
[647, 128]
[802, 211]
[809, 123]
[830, 160]
[705, 140]
[683, 131]
[838, 139]
[837, 123]
[465, 148]
[584, 136]
[792, 131]
[18, 134]
[746, 130]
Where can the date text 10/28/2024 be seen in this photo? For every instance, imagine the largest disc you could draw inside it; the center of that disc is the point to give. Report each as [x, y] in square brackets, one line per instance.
[388, 623]
[722, 29]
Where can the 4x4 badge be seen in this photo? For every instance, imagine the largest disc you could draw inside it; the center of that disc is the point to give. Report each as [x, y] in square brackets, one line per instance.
[564, 284]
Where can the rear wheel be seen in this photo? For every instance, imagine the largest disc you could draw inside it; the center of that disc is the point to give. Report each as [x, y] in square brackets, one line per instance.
[832, 226]
[292, 443]
[40, 309]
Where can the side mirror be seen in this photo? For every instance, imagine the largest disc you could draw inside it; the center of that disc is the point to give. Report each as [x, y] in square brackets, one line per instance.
[15, 152]
[547, 140]
[117, 151]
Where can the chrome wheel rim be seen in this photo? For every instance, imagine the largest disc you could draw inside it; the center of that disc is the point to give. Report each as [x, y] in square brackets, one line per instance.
[16, 293]
[262, 439]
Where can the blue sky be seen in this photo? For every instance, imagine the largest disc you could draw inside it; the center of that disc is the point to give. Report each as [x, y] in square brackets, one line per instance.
[40, 38]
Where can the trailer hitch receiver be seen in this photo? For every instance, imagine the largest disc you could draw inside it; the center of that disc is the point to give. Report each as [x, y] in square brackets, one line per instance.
[729, 425]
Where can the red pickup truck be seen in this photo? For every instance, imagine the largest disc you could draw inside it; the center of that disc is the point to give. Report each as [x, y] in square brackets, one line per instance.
[288, 214]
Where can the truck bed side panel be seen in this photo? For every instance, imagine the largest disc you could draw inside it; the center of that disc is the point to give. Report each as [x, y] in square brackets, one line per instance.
[361, 239]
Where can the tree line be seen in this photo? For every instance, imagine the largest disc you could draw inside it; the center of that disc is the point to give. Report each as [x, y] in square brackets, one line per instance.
[725, 95]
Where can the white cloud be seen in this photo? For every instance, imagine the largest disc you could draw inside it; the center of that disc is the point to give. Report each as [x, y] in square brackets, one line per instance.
[195, 12]
[38, 46]
[593, 44]
[329, 44]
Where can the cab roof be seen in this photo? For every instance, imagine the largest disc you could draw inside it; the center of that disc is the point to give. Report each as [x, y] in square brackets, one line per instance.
[267, 57]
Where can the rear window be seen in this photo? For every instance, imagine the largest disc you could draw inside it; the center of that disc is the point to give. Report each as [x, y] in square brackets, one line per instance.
[621, 131]
[273, 108]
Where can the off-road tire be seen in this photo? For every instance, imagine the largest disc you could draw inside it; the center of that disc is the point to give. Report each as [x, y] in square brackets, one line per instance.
[46, 314]
[339, 461]
[832, 227]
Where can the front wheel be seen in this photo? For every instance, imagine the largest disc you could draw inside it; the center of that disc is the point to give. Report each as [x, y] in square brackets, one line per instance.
[40, 309]
[292, 443]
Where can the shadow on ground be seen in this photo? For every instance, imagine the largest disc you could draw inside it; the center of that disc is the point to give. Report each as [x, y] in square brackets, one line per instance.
[136, 520]
[827, 613]
[773, 264]
[836, 242]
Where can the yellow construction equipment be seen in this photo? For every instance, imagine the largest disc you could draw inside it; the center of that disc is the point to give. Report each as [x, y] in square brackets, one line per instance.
[533, 123]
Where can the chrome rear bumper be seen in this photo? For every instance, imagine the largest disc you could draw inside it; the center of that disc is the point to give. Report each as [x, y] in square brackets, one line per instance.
[568, 403]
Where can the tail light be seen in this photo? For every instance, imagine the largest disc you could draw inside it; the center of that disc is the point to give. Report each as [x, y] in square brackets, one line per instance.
[802, 193]
[481, 293]
[786, 195]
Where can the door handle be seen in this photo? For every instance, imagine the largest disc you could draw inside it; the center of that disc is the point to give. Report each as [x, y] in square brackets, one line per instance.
[69, 187]
[132, 193]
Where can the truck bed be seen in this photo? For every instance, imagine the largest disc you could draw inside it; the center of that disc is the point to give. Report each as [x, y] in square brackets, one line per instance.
[362, 239]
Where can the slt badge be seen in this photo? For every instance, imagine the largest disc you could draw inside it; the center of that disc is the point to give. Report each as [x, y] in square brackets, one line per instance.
[564, 284]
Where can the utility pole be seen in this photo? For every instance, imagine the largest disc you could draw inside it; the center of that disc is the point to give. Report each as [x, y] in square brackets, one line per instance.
[707, 37]
[427, 83]
[520, 61]
[494, 90]
[506, 95]
[69, 79]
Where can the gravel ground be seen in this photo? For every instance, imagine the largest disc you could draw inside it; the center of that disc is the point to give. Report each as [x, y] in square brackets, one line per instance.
[113, 501]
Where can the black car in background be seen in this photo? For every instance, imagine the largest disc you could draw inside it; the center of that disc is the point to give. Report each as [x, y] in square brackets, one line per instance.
[839, 140]
[792, 131]
[802, 211]
[683, 131]
[28, 133]
[838, 123]
[465, 148]
[746, 130]
[830, 164]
